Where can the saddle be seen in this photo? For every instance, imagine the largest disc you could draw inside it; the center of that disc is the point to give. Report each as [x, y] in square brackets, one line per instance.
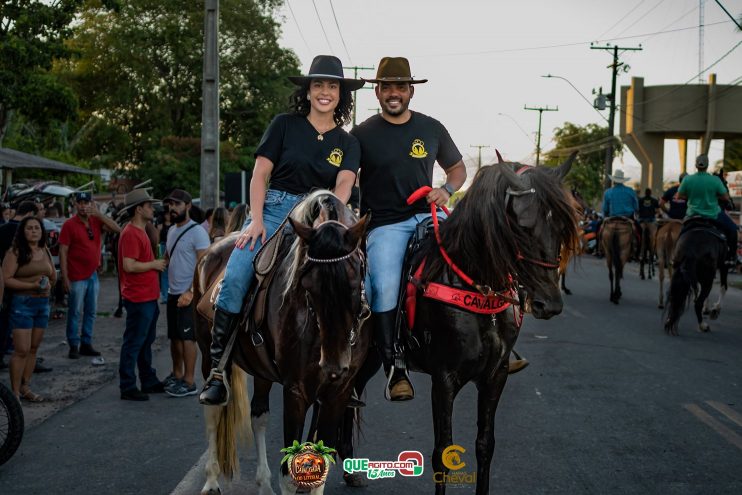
[708, 225]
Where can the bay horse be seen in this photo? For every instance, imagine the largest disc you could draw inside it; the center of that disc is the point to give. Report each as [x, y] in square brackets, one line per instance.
[505, 234]
[580, 205]
[699, 253]
[668, 231]
[616, 239]
[314, 310]
[648, 249]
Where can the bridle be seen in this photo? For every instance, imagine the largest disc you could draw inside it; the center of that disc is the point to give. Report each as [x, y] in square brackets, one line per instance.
[364, 311]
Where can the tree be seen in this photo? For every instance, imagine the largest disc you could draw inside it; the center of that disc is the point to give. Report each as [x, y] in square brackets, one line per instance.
[32, 37]
[733, 155]
[588, 169]
[139, 74]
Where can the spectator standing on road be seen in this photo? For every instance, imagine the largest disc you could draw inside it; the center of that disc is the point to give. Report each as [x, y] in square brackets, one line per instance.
[79, 259]
[186, 242]
[138, 277]
[28, 269]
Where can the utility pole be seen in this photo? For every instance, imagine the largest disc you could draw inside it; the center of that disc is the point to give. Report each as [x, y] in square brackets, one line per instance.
[355, 76]
[479, 147]
[612, 116]
[210, 111]
[377, 110]
[540, 110]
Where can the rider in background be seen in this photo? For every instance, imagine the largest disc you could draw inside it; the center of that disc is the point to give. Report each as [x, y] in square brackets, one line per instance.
[619, 200]
[648, 209]
[703, 192]
[677, 207]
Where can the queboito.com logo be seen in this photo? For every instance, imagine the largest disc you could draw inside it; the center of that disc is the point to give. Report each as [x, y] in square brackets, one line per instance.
[408, 463]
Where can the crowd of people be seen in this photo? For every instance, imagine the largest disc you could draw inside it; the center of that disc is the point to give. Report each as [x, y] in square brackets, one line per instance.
[52, 260]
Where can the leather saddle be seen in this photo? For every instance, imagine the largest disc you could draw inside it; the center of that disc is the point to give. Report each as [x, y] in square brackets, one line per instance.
[702, 224]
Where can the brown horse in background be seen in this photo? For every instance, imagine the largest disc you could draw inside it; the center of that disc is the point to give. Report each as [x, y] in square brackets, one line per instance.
[665, 240]
[311, 334]
[617, 239]
[567, 252]
[648, 249]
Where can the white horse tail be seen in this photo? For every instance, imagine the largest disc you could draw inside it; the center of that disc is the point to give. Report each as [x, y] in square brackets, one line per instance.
[234, 425]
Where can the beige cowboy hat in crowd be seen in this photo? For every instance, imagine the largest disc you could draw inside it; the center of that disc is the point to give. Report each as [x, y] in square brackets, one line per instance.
[394, 69]
[619, 177]
[136, 198]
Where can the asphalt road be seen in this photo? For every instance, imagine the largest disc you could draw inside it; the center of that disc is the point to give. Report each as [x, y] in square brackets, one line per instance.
[609, 404]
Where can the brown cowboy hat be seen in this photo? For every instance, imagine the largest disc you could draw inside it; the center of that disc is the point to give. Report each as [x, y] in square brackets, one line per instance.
[327, 67]
[136, 198]
[394, 69]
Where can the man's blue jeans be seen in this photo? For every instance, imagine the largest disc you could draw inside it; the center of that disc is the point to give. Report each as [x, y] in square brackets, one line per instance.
[83, 300]
[136, 349]
[240, 272]
[385, 247]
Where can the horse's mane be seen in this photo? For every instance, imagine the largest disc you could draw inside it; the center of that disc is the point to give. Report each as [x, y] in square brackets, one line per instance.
[484, 240]
[319, 206]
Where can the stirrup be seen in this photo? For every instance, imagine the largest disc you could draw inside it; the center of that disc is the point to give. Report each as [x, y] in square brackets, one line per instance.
[388, 387]
[213, 376]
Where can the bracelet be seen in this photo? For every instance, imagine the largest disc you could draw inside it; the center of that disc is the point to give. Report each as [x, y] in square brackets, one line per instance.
[447, 187]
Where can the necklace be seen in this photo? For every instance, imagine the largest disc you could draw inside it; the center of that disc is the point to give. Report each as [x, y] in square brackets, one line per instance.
[321, 134]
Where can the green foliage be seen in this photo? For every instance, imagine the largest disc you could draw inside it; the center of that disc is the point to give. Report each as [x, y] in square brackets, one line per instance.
[587, 172]
[733, 155]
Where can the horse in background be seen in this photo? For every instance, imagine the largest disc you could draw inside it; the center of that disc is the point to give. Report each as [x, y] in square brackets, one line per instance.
[616, 240]
[504, 238]
[699, 253]
[665, 240]
[580, 206]
[310, 332]
[648, 248]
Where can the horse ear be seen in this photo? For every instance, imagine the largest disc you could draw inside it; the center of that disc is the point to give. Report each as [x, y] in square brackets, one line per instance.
[513, 178]
[563, 169]
[305, 232]
[357, 231]
[499, 156]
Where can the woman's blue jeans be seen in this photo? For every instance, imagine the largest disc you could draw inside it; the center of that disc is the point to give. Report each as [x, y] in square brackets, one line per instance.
[240, 272]
[386, 246]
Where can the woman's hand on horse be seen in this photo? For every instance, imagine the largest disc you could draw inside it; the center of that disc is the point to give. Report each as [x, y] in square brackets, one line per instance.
[250, 234]
[439, 196]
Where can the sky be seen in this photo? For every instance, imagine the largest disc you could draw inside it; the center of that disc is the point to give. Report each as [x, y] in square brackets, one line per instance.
[484, 60]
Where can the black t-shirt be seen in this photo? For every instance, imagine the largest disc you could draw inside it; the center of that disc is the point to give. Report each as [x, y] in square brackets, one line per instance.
[7, 233]
[301, 162]
[648, 207]
[398, 159]
[677, 206]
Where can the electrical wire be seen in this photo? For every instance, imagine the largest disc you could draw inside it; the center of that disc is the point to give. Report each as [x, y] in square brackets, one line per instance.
[297, 26]
[340, 33]
[641, 18]
[631, 10]
[323, 27]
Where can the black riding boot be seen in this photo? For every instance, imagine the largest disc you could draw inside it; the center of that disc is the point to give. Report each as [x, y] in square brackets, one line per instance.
[216, 388]
[398, 386]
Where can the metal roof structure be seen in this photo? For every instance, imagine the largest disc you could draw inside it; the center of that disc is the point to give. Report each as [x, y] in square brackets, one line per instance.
[13, 159]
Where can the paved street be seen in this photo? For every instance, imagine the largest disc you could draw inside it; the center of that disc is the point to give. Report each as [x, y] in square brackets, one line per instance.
[610, 404]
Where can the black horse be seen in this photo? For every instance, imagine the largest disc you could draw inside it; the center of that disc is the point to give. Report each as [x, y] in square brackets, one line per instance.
[506, 233]
[699, 253]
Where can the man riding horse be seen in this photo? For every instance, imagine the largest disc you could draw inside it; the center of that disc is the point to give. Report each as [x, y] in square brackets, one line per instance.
[703, 192]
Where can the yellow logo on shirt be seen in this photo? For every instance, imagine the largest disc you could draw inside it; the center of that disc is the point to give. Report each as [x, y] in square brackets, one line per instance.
[336, 157]
[418, 149]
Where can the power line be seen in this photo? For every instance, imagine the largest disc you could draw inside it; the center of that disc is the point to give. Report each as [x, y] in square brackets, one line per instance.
[728, 14]
[293, 16]
[319, 18]
[641, 18]
[631, 10]
[340, 33]
[566, 45]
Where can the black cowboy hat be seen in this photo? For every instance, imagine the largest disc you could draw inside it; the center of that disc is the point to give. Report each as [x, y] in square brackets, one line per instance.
[327, 67]
[395, 69]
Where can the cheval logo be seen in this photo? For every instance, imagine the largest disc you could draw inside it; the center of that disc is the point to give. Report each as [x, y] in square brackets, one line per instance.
[418, 149]
[336, 157]
[308, 463]
[451, 458]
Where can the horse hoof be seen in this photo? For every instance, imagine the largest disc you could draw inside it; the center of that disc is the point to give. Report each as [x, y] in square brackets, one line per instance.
[661, 306]
[212, 491]
[567, 291]
[355, 480]
[704, 327]
[714, 313]
[705, 312]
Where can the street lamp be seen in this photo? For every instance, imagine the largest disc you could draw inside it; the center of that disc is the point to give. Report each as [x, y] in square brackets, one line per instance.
[550, 76]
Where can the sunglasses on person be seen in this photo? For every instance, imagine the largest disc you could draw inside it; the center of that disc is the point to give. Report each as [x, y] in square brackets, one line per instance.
[90, 233]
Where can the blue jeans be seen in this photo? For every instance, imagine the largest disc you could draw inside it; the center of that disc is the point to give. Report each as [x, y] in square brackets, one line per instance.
[731, 232]
[240, 272]
[83, 299]
[386, 246]
[136, 349]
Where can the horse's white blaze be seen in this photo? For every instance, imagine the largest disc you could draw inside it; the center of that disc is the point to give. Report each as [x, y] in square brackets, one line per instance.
[287, 486]
[263, 475]
[212, 465]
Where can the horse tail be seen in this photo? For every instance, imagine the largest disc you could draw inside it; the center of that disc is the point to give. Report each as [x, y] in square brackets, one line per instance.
[616, 248]
[683, 286]
[234, 425]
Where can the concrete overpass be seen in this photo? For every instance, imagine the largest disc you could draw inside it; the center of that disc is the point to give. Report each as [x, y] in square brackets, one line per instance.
[651, 114]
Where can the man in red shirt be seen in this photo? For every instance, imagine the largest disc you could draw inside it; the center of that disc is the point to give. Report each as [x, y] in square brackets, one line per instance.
[79, 259]
[140, 290]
